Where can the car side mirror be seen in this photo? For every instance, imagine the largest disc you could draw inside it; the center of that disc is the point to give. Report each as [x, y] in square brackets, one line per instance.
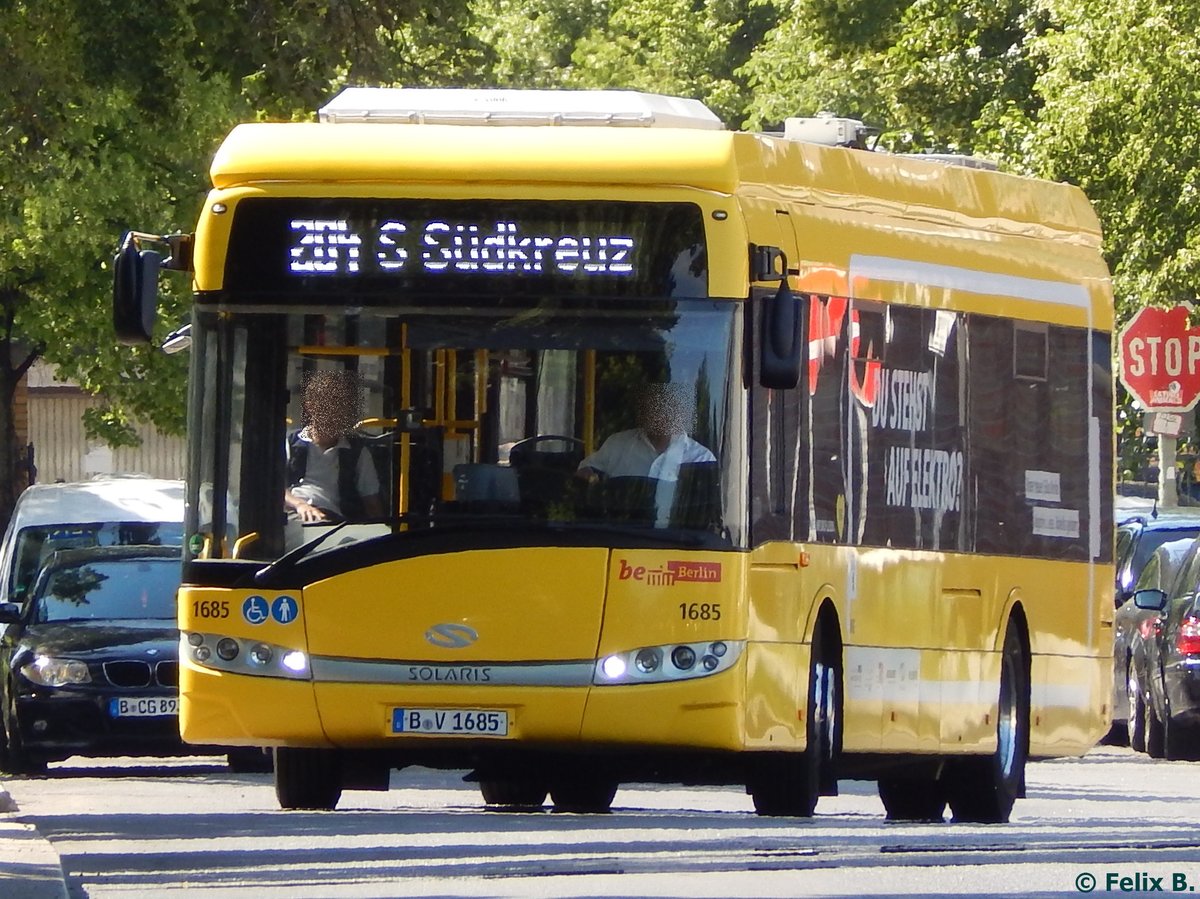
[10, 612]
[1150, 600]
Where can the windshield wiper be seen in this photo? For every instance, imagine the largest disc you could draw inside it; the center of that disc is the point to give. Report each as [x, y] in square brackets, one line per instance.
[288, 560]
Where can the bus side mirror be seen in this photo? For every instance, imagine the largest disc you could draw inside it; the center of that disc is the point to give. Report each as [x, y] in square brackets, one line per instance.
[135, 291]
[781, 349]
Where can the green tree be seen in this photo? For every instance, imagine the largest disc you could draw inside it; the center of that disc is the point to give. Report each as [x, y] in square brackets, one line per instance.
[1119, 83]
[930, 74]
[77, 160]
[691, 48]
[112, 116]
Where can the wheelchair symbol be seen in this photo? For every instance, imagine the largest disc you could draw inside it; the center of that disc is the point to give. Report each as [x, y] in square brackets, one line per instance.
[255, 610]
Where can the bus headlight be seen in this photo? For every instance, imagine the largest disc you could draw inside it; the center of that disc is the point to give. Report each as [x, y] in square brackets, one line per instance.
[296, 661]
[614, 667]
[648, 660]
[239, 656]
[683, 657]
[645, 665]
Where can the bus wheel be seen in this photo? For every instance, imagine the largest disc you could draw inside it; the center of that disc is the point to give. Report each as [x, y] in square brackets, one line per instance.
[520, 793]
[785, 784]
[913, 800]
[984, 788]
[308, 778]
[587, 795]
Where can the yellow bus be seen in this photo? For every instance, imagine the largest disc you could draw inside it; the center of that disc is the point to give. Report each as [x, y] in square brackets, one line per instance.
[699, 456]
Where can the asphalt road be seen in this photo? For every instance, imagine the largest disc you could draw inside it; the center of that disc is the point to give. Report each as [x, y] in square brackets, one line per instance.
[143, 827]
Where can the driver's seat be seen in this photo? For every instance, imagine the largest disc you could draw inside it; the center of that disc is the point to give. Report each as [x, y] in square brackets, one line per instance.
[547, 451]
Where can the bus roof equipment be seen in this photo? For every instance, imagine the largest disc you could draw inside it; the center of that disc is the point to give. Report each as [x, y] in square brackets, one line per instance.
[462, 106]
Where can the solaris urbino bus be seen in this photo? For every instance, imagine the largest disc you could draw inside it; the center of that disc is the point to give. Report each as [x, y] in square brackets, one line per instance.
[877, 543]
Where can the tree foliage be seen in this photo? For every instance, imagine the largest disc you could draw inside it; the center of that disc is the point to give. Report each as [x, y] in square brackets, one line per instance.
[113, 112]
[1120, 81]
[930, 74]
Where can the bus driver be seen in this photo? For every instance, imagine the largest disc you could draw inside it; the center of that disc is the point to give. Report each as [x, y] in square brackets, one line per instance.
[331, 474]
[656, 447]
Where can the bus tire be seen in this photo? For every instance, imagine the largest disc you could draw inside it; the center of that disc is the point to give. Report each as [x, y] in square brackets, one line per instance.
[309, 779]
[521, 793]
[982, 789]
[587, 795]
[787, 784]
[921, 800]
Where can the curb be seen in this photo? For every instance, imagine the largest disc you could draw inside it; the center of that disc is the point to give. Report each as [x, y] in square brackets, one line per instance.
[29, 866]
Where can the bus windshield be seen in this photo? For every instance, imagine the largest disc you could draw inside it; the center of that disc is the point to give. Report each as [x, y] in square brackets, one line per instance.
[519, 416]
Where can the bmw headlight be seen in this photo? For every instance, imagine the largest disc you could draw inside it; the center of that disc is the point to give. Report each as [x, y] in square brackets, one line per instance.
[46, 671]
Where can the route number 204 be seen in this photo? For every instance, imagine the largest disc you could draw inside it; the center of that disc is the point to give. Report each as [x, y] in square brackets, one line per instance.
[700, 611]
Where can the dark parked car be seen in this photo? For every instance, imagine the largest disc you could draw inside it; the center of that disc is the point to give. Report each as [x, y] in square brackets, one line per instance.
[1131, 626]
[1140, 535]
[1167, 661]
[1137, 537]
[89, 663]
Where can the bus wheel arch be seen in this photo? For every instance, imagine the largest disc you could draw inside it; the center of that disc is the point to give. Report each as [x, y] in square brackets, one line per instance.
[789, 783]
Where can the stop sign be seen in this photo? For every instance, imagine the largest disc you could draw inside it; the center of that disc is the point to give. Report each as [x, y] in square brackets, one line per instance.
[1160, 359]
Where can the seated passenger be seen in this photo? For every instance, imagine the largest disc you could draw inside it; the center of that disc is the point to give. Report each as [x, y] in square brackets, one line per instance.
[331, 475]
[656, 447]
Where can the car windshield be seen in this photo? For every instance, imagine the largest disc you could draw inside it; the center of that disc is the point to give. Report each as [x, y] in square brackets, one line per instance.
[36, 543]
[1151, 540]
[124, 589]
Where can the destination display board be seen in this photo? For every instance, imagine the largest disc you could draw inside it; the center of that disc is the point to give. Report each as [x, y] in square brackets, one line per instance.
[323, 245]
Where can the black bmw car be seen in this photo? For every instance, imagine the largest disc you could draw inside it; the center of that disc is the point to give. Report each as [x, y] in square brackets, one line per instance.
[89, 663]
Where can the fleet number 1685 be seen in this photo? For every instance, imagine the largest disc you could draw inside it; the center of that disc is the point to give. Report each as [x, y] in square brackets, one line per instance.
[210, 608]
[700, 611]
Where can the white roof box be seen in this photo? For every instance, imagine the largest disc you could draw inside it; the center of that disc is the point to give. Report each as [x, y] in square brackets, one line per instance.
[826, 129]
[462, 106]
